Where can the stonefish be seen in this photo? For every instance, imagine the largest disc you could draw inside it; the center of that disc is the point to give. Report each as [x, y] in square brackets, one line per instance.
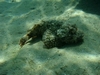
[53, 33]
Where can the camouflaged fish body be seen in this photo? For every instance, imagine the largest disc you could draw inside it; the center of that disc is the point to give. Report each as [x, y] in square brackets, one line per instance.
[53, 33]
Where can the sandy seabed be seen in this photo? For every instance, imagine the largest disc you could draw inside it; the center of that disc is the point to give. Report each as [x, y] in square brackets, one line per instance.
[32, 59]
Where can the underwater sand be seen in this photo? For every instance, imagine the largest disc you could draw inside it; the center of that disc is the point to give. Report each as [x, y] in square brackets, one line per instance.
[32, 59]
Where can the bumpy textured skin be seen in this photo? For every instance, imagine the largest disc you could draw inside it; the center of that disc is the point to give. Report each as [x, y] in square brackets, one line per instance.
[54, 34]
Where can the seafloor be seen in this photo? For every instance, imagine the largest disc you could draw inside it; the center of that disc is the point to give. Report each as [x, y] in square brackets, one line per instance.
[17, 16]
